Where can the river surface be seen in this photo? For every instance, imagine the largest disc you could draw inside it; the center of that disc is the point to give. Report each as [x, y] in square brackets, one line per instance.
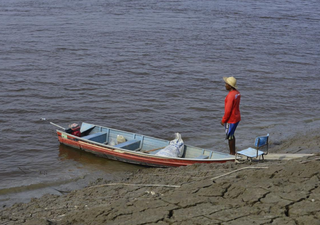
[148, 66]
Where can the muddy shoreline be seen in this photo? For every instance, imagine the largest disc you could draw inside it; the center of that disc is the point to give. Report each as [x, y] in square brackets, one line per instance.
[269, 192]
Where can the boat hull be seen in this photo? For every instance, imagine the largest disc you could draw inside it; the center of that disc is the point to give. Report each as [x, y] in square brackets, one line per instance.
[128, 156]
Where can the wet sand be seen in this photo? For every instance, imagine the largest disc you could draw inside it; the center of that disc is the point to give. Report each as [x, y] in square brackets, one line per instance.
[269, 192]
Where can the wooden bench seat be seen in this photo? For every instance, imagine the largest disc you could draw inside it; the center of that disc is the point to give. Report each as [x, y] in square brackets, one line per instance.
[203, 156]
[99, 137]
[129, 145]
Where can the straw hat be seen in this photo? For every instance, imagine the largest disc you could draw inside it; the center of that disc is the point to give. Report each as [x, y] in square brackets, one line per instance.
[231, 81]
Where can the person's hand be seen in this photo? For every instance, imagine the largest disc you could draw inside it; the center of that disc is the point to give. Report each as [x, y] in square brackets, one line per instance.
[222, 124]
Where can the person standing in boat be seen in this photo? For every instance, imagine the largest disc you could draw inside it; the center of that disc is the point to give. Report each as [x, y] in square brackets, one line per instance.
[231, 117]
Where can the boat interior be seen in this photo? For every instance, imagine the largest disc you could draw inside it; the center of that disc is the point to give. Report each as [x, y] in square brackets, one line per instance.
[139, 143]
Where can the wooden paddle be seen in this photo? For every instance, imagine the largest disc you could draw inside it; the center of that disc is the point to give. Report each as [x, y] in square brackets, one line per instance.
[153, 150]
[44, 119]
[57, 125]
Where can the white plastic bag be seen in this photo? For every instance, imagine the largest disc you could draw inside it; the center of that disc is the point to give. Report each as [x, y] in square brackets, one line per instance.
[174, 149]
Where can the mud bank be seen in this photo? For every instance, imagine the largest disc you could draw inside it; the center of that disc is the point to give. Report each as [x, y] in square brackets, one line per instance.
[269, 192]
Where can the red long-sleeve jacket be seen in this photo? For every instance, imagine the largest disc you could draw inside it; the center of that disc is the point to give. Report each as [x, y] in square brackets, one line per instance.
[231, 107]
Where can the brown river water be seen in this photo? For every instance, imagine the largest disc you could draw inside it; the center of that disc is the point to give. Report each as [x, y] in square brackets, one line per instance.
[151, 67]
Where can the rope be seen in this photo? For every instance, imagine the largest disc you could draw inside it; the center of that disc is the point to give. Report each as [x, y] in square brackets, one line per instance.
[250, 167]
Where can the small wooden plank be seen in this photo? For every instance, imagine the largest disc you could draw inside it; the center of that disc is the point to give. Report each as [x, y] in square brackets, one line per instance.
[285, 156]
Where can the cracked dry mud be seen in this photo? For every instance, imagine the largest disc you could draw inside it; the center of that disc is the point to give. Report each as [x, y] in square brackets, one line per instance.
[286, 192]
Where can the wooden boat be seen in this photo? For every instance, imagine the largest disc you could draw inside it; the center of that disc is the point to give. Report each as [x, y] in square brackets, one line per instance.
[137, 149]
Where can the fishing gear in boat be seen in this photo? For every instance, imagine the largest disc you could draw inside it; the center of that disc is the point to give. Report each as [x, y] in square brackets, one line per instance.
[74, 129]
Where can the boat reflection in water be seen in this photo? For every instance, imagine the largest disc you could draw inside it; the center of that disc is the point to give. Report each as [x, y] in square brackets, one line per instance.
[93, 162]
